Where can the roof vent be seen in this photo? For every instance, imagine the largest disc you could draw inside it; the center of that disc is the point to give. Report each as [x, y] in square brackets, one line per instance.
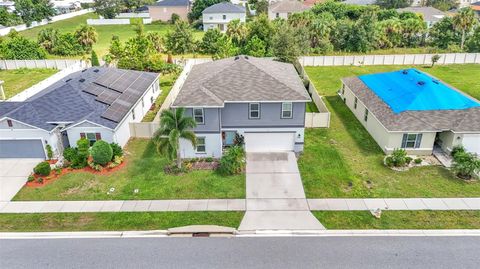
[246, 57]
[82, 80]
[96, 70]
[421, 82]
[237, 57]
[405, 72]
[435, 81]
[68, 80]
[84, 70]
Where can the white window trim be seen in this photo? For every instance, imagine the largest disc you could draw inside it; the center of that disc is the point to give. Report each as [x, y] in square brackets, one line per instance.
[250, 111]
[195, 116]
[204, 145]
[291, 110]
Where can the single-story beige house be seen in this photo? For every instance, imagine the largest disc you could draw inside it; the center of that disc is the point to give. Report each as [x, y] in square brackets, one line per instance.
[163, 10]
[412, 110]
[283, 8]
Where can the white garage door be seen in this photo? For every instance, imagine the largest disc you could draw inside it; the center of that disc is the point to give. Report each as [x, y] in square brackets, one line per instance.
[471, 142]
[269, 142]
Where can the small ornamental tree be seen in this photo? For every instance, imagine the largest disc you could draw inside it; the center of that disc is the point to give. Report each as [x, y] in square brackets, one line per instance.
[102, 152]
[94, 59]
[465, 165]
[435, 59]
[80, 160]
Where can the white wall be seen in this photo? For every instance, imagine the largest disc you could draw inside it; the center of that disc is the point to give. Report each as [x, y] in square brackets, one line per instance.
[213, 144]
[115, 21]
[74, 134]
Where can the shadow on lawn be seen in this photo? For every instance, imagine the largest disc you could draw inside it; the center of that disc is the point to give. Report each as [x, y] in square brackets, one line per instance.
[354, 128]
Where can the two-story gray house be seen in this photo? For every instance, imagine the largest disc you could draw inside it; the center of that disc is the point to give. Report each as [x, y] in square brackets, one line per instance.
[261, 99]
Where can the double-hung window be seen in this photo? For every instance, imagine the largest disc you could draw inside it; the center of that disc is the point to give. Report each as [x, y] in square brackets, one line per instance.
[92, 137]
[365, 116]
[201, 148]
[355, 103]
[254, 110]
[411, 140]
[198, 115]
[287, 112]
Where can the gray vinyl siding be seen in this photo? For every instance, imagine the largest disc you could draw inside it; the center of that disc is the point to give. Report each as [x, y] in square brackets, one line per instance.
[15, 125]
[211, 120]
[237, 115]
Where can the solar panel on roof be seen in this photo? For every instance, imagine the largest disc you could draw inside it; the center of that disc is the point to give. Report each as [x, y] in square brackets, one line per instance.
[108, 97]
[109, 77]
[116, 112]
[95, 90]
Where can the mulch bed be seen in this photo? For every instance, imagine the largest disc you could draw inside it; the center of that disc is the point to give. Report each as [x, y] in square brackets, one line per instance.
[201, 165]
[54, 176]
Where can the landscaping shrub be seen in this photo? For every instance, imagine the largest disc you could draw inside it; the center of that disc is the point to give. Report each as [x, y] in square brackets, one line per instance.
[465, 164]
[389, 161]
[69, 154]
[42, 169]
[81, 157]
[418, 161]
[457, 149]
[233, 161]
[209, 159]
[117, 160]
[30, 178]
[117, 150]
[40, 180]
[49, 151]
[102, 152]
[239, 140]
[399, 157]
[408, 160]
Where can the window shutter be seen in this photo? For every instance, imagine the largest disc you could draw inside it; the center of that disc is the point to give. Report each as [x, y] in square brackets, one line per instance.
[404, 141]
[82, 135]
[98, 136]
[418, 141]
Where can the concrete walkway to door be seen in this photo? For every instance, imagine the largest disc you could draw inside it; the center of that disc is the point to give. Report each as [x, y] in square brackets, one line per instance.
[275, 196]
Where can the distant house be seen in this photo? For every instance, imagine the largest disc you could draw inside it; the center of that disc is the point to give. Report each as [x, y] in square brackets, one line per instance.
[476, 7]
[430, 15]
[163, 10]
[412, 110]
[219, 15]
[96, 103]
[359, 2]
[9, 5]
[257, 98]
[311, 3]
[283, 9]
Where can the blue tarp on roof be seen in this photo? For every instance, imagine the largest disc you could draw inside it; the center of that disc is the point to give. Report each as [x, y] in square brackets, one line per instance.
[410, 89]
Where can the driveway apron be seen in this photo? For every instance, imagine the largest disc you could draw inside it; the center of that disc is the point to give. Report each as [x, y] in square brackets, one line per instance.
[13, 175]
[275, 196]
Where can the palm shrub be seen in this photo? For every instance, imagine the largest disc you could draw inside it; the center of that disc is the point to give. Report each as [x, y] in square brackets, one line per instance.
[465, 164]
[42, 169]
[398, 158]
[101, 152]
[173, 126]
[233, 161]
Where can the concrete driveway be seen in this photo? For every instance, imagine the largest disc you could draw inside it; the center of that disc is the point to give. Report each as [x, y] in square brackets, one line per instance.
[275, 196]
[13, 175]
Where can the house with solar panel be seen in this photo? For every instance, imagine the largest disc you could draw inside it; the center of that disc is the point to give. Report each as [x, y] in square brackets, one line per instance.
[412, 110]
[260, 99]
[96, 103]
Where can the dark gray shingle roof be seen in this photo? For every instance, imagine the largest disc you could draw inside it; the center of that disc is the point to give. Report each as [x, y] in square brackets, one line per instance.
[171, 3]
[241, 79]
[224, 7]
[65, 101]
[465, 120]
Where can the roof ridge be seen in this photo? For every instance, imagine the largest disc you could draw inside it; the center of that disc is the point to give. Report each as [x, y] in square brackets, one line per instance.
[211, 94]
[408, 112]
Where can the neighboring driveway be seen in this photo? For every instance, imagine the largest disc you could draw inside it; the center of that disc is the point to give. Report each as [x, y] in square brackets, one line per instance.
[13, 175]
[275, 196]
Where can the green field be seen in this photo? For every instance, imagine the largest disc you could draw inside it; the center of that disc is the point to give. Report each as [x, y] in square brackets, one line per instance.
[15, 81]
[105, 32]
[400, 220]
[345, 161]
[125, 221]
[143, 171]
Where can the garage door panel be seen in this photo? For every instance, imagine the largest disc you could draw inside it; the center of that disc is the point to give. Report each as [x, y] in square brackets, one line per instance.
[269, 142]
[472, 143]
[22, 149]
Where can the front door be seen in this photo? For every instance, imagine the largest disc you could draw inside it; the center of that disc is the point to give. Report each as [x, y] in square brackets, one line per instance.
[228, 138]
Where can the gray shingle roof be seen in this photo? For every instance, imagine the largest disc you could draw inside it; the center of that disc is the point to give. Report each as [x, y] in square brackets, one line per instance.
[171, 3]
[65, 101]
[466, 120]
[287, 6]
[224, 7]
[429, 13]
[241, 79]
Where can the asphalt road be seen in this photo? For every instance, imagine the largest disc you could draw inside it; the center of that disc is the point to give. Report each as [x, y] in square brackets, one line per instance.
[279, 252]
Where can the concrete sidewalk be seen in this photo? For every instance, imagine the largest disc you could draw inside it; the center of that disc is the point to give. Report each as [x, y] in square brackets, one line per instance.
[123, 206]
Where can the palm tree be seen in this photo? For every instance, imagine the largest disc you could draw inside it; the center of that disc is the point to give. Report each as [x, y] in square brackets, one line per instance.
[86, 36]
[464, 21]
[173, 126]
[237, 31]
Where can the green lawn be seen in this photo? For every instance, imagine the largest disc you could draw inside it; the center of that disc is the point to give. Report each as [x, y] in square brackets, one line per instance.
[105, 32]
[15, 81]
[400, 220]
[311, 107]
[166, 84]
[345, 161]
[143, 171]
[125, 221]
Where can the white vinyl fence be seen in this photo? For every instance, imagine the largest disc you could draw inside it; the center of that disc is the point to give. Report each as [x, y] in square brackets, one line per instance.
[394, 59]
[114, 21]
[22, 27]
[56, 64]
[133, 15]
[24, 95]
